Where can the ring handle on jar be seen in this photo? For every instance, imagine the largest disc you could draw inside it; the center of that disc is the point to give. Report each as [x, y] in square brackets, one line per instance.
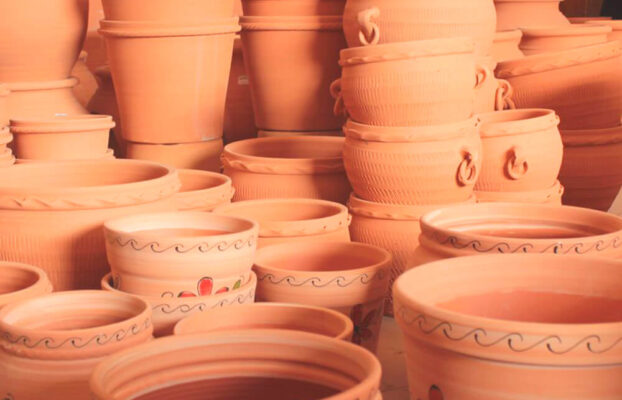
[517, 165]
[335, 91]
[369, 31]
[482, 75]
[503, 96]
[467, 170]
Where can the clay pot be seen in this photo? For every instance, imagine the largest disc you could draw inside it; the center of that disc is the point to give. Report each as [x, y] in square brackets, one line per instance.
[19, 282]
[50, 344]
[293, 220]
[183, 11]
[409, 83]
[50, 38]
[552, 196]
[522, 150]
[493, 94]
[198, 155]
[43, 99]
[281, 316]
[491, 228]
[94, 44]
[288, 167]
[239, 117]
[352, 278]
[104, 102]
[298, 133]
[168, 311]
[307, 8]
[591, 167]
[404, 21]
[549, 39]
[291, 62]
[5, 138]
[7, 158]
[162, 100]
[582, 85]
[513, 14]
[582, 20]
[420, 165]
[61, 138]
[202, 190]
[109, 155]
[616, 26]
[506, 45]
[73, 199]
[4, 111]
[294, 365]
[528, 333]
[87, 84]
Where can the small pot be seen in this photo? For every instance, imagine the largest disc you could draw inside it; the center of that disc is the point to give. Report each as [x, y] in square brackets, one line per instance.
[239, 115]
[506, 45]
[262, 133]
[198, 155]
[19, 282]
[202, 190]
[6, 158]
[352, 278]
[4, 107]
[109, 155]
[616, 26]
[552, 196]
[45, 99]
[538, 40]
[293, 8]
[181, 11]
[513, 14]
[293, 220]
[289, 167]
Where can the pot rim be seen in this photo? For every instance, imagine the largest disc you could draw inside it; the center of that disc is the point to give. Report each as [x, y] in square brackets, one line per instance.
[223, 182]
[508, 35]
[41, 285]
[62, 124]
[493, 124]
[615, 25]
[269, 133]
[42, 85]
[109, 154]
[569, 30]
[291, 23]
[510, 197]
[151, 29]
[592, 137]
[528, 1]
[433, 133]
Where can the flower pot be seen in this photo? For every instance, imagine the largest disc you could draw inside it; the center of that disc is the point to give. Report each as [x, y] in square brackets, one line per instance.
[506, 45]
[43, 99]
[109, 155]
[262, 133]
[517, 228]
[410, 83]
[198, 155]
[293, 365]
[49, 35]
[6, 158]
[582, 85]
[87, 84]
[293, 220]
[522, 150]
[73, 199]
[552, 196]
[104, 102]
[162, 100]
[202, 190]
[582, 20]
[616, 26]
[352, 278]
[4, 107]
[291, 62]
[51, 354]
[277, 8]
[550, 39]
[94, 44]
[405, 21]
[591, 167]
[239, 117]
[180, 11]
[169, 310]
[513, 14]
[5, 138]
[413, 166]
[493, 94]
[281, 316]
[288, 167]
[61, 138]
[528, 333]
[19, 282]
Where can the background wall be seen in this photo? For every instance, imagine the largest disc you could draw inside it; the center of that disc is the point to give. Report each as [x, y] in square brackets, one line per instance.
[580, 8]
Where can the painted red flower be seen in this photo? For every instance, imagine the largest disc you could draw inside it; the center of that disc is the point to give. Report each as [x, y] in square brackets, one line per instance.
[205, 287]
[362, 324]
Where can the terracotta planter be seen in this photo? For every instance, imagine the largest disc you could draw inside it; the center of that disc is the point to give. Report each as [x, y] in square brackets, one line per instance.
[513, 14]
[493, 94]
[294, 365]
[87, 84]
[616, 26]
[53, 31]
[400, 21]
[517, 228]
[43, 99]
[293, 220]
[94, 44]
[202, 190]
[4, 111]
[281, 316]
[166, 11]
[160, 99]
[423, 165]
[591, 167]
[582, 85]
[73, 199]
[239, 116]
[198, 155]
[506, 45]
[293, 8]
[104, 102]
[529, 334]
[352, 278]
[109, 155]
[550, 39]
[289, 167]
[19, 282]
[298, 133]
[52, 354]
[168, 311]
[291, 62]
[6, 158]
[409, 84]
[582, 20]
[552, 196]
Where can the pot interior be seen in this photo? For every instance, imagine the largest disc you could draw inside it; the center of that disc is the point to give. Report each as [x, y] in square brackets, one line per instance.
[281, 211]
[14, 279]
[181, 232]
[522, 228]
[290, 148]
[191, 181]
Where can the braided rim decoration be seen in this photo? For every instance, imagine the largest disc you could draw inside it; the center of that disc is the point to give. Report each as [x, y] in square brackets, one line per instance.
[203, 198]
[332, 226]
[422, 134]
[392, 212]
[303, 167]
[536, 196]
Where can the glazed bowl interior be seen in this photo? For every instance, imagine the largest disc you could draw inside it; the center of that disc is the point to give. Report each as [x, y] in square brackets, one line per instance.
[14, 278]
[282, 210]
[193, 180]
[289, 148]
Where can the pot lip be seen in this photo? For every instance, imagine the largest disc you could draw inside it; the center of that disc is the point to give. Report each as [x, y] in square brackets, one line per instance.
[291, 23]
[433, 133]
[566, 30]
[153, 29]
[508, 35]
[223, 181]
[592, 137]
[109, 154]
[41, 85]
[217, 142]
[615, 25]
[546, 194]
[268, 133]
[62, 124]
[41, 285]
[538, 119]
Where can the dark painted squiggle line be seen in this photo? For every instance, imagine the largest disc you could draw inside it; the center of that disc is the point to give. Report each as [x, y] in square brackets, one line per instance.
[180, 248]
[187, 308]
[341, 281]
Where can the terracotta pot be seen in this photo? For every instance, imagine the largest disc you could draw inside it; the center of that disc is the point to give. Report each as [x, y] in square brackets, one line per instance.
[582, 20]
[552, 195]
[517, 228]
[87, 84]
[294, 365]
[400, 21]
[4, 110]
[43, 99]
[6, 158]
[506, 45]
[202, 190]
[582, 85]
[187, 106]
[278, 8]
[94, 44]
[239, 116]
[522, 150]
[352, 278]
[281, 316]
[409, 83]
[180, 254]
[198, 155]
[529, 334]
[53, 31]
[298, 133]
[5, 138]
[52, 354]
[289, 167]
[616, 26]
[61, 138]
[513, 14]
[293, 220]
[549, 39]
[166, 11]
[168, 311]
[74, 199]
[291, 62]
[591, 167]
[420, 165]
[493, 94]
[109, 155]
[104, 102]
[19, 282]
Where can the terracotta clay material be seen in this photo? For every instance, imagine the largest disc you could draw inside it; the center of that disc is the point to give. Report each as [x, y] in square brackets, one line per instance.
[293, 220]
[202, 190]
[197, 155]
[239, 115]
[6, 158]
[288, 167]
[493, 94]
[51, 354]
[616, 26]
[168, 311]
[180, 11]
[538, 40]
[262, 133]
[291, 62]
[552, 196]
[417, 166]
[352, 278]
[529, 334]
[87, 83]
[104, 102]
[281, 316]
[293, 8]
[94, 44]
[5, 138]
[73, 199]
[513, 14]
[21, 281]
[505, 46]
[582, 20]
[44, 99]
[109, 155]
[4, 108]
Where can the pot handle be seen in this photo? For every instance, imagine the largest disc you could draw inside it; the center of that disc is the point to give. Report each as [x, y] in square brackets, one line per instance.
[503, 96]
[517, 165]
[335, 91]
[482, 75]
[369, 31]
[467, 170]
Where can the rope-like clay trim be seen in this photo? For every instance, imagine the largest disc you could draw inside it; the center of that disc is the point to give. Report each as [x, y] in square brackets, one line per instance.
[383, 134]
[314, 167]
[591, 139]
[317, 229]
[518, 127]
[199, 199]
[144, 32]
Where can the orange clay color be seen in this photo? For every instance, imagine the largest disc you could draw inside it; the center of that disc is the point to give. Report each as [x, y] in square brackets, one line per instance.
[202, 190]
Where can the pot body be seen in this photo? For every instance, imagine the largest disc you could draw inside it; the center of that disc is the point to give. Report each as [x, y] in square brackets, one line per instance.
[165, 11]
[506, 45]
[513, 14]
[293, 8]
[104, 102]
[552, 196]
[239, 116]
[43, 99]
[22, 281]
[196, 155]
[202, 190]
[546, 40]
[493, 94]
[87, 84]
